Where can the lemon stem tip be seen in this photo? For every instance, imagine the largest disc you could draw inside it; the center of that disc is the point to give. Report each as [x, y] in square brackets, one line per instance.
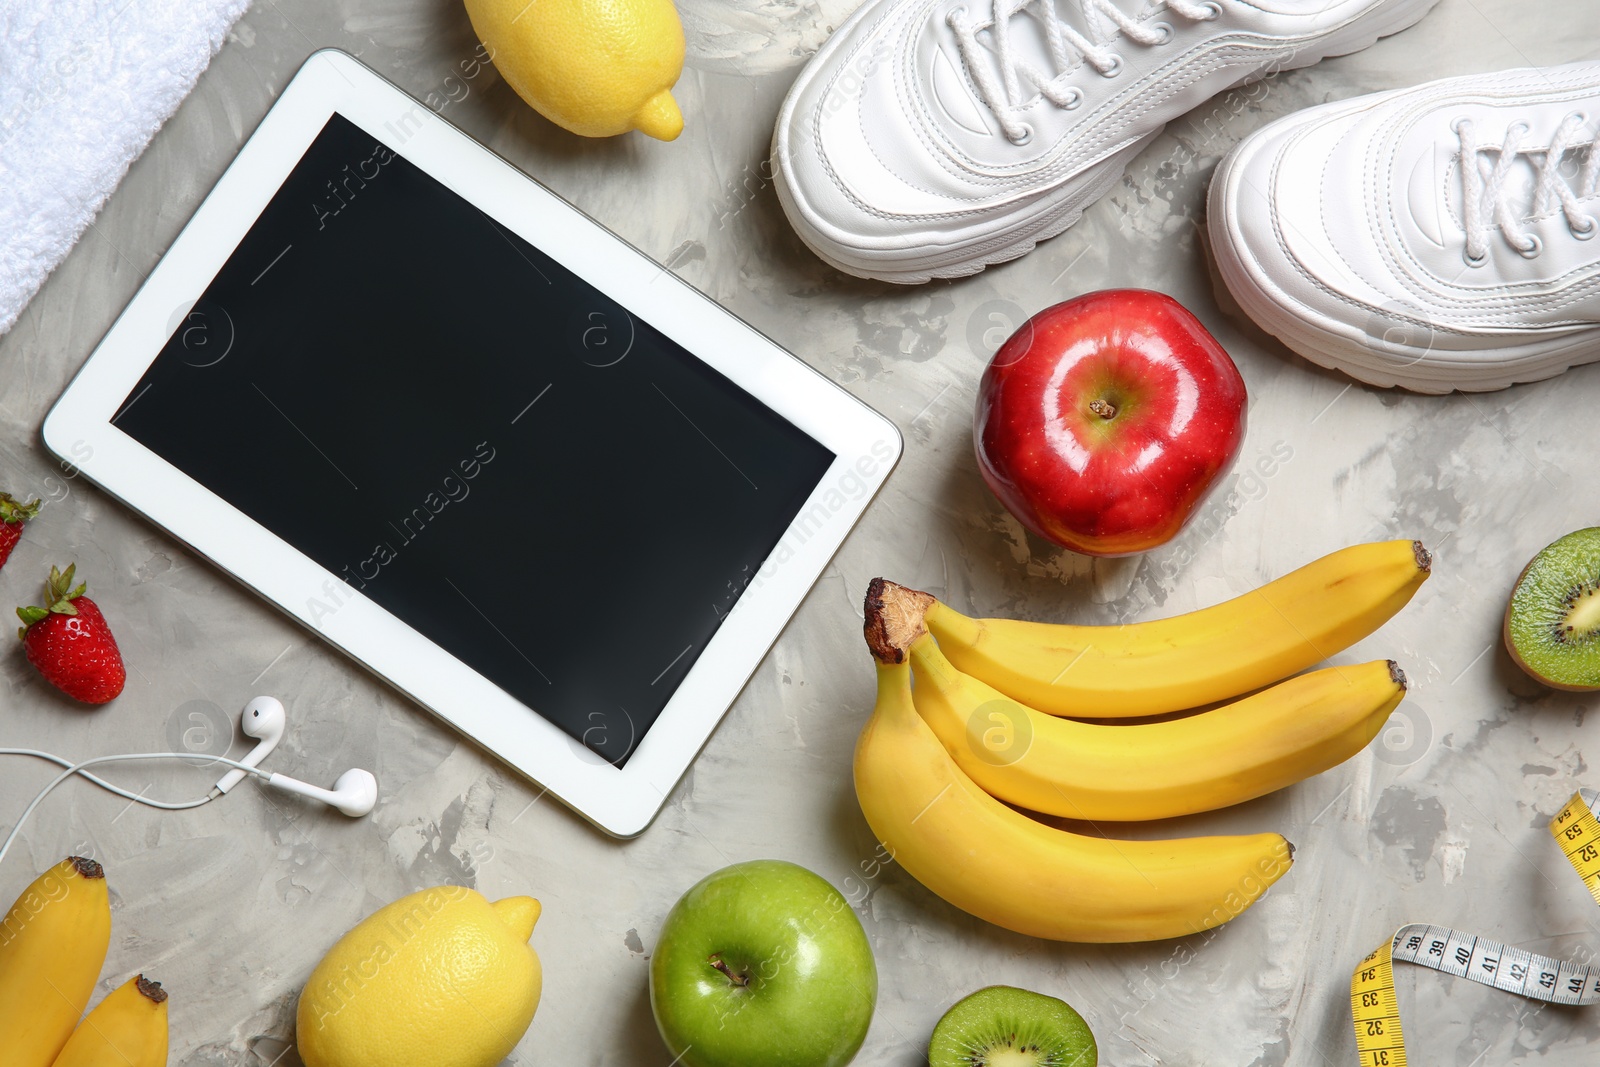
[660, 117]
[519, 913]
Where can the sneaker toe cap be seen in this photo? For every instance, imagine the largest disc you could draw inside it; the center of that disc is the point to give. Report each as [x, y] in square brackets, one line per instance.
[838, 172]
[1296, 214]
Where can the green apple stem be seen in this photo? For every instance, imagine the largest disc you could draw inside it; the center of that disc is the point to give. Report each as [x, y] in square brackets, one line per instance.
[741, 979]
[1104, 408]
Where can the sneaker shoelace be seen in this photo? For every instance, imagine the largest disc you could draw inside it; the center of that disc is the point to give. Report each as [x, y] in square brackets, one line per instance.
[1005, 98]
[1486, 201]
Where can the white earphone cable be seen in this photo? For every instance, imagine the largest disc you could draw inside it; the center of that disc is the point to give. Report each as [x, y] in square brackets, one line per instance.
[62, 761]
[79, 769]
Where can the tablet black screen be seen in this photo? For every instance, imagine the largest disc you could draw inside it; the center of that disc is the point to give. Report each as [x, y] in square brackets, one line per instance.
[495, 452]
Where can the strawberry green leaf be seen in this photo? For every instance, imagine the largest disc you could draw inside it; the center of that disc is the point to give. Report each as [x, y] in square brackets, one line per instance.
[59, 592]
[60, 581]
[13, 511]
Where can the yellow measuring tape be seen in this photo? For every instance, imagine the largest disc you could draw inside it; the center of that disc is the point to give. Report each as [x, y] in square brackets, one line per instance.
[1577, 830]
[1372, 1001]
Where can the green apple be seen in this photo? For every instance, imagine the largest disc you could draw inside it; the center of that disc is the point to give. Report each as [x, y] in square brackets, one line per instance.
[763, 964]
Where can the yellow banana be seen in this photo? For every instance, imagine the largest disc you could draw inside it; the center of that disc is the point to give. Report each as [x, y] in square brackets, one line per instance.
[127, 1029]
[1152, 668]
[1010, 870]
[1216, 758]
[52, 944]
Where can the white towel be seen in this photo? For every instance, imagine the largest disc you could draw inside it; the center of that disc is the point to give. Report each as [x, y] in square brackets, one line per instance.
[84, 85]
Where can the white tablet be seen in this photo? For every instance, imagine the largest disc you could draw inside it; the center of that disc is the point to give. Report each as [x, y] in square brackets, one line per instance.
[495, 454]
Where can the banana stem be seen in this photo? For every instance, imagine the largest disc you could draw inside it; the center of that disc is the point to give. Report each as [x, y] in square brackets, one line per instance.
[894, 619]
[87, 868]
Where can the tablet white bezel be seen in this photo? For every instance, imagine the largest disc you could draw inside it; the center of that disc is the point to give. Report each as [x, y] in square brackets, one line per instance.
[623, 800]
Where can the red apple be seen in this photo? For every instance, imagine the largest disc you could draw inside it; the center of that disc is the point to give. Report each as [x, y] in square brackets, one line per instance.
[1104, 420]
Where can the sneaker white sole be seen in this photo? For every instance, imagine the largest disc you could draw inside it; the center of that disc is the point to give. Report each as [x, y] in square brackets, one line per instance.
[1020, 238]
[1016, 240]
[1346, 348]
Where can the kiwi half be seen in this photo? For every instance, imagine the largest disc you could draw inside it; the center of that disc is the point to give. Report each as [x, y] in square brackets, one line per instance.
[1552, 625]
[1002, 1026]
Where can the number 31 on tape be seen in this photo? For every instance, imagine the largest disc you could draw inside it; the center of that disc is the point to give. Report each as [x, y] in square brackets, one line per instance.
[1514, 970]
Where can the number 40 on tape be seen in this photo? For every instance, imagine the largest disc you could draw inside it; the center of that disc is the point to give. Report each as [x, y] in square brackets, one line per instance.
[1372, 1000]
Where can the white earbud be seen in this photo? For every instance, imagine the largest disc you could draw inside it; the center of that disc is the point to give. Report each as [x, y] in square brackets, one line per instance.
[263, 719]
[355, 793]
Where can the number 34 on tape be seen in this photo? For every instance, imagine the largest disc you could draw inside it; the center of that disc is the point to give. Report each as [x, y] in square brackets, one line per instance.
[1514, 970]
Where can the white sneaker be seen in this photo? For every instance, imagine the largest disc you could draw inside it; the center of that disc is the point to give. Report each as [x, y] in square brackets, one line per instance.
[1435, 238]
[926, 140]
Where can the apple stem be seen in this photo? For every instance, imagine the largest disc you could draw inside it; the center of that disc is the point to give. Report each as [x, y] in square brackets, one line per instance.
[741, 979]
[1104, 408]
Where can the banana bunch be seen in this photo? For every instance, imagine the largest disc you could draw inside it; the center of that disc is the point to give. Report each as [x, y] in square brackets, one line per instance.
[52, 945]
[988, 721]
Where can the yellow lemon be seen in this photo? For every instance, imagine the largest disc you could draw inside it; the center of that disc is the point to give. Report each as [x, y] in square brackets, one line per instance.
[595, 67]
[441, 978]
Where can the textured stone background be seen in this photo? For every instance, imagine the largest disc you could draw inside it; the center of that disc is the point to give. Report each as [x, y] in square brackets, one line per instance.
[1442, 820]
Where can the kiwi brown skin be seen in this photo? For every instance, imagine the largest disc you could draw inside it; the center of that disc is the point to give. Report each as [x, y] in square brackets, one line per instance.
[1511, 648]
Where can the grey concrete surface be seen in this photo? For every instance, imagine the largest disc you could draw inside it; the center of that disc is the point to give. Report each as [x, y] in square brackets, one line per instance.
[1441, 820]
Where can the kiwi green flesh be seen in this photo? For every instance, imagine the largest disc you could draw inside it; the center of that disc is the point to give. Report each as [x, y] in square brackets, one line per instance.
[1002, 1026]
[1552, 624]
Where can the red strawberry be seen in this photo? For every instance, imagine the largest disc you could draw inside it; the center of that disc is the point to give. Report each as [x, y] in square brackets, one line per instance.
[14, 515]
[70, 643]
